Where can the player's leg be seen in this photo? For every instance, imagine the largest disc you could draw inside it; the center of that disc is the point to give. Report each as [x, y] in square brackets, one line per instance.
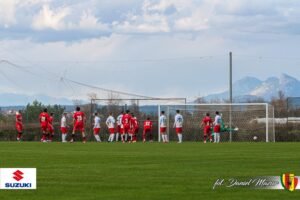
[204, 137]
[44, 134]
[179, 134]
[19, 131]
[150, 135]
[117, 134]
[51, 134]
[73, 133]
[144, 135]
[83, 136]
[218, 137]
[96, 134]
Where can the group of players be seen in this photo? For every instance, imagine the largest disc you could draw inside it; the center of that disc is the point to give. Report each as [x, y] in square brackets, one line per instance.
[126, 128]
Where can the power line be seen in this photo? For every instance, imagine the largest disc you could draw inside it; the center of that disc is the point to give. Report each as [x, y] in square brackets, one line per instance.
[76, 82]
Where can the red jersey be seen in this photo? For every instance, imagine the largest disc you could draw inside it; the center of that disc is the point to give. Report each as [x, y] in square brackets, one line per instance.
[126, 119]
[18, 118]
[207, 121]
[79, 117]
[134, 123]
[44, 119]
[50, 121]
[147, 124]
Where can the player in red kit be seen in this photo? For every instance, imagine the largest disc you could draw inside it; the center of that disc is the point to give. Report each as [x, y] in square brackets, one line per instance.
[147, 129]
[126, 119]
[206, 124]
[44, 120]
[134, 127]
[19, 125]
[78, 120]
[50, 127]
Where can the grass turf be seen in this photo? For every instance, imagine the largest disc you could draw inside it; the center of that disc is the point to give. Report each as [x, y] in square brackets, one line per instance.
[148, 171]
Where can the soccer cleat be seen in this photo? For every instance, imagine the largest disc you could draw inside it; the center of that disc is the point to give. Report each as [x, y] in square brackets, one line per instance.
[71, 141]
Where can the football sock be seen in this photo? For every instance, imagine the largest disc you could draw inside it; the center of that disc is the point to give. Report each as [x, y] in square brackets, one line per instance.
[97, 137]
[180, 137]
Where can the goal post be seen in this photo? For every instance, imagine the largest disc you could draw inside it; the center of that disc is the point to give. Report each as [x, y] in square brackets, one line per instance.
[242, 122]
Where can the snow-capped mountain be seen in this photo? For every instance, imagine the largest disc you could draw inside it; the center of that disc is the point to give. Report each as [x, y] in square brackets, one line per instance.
[250, 88]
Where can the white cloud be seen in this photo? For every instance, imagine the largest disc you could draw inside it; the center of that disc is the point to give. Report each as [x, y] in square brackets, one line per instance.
[7, 13]
[49, 18]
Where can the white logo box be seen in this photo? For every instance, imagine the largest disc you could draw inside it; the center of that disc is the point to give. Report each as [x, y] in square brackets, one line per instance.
[17, 178]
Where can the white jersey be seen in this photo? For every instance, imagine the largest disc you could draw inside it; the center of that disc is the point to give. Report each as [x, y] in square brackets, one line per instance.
[163, 121]
[178, 121]
[119, 120]
[218, 120]
[63, 122]
[97, 121]
[110, 122]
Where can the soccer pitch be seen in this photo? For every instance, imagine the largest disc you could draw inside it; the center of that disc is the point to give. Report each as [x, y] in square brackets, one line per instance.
[148, 171]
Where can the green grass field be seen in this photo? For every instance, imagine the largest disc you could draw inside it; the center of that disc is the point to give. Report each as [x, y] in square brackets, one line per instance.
[148, 171]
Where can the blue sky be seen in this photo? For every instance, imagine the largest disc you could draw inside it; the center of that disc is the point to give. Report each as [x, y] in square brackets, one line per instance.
[154, 48]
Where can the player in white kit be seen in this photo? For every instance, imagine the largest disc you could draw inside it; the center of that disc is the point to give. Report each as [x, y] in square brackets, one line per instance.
[110, 122]
[64, 127]
[97, 127]
[163, 127]
[119, 126]
[178, 122]
[217, 127]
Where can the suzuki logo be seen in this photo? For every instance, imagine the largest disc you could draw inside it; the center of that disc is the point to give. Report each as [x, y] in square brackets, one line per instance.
[18, 175]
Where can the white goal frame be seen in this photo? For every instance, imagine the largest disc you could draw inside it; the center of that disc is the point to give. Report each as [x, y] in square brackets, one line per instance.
[267, 118]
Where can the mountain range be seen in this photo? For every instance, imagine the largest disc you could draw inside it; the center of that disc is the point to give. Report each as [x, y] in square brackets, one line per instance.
[251, 88]
[245, 89]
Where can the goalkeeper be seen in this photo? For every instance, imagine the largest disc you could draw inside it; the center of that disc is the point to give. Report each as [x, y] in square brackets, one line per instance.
[223, 128]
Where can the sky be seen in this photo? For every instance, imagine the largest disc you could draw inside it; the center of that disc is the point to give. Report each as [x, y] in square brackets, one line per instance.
[158, 48]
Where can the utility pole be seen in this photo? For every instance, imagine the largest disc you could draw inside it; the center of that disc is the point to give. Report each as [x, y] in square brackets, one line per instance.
[230, 96]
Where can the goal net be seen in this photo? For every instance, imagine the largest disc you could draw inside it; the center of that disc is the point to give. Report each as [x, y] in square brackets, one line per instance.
[247, 122]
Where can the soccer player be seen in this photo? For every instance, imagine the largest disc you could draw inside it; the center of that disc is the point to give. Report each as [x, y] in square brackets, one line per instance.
[206, 124]
[217, 127]
[97, 127]
[163, 127]
[134, 127]
[119, 126]
[19, 125]
[110, 122]
[178, 122]
[44, 120]
[78, 120]
[147, 129]
[50, 127]
[64, 127]
[126, 125]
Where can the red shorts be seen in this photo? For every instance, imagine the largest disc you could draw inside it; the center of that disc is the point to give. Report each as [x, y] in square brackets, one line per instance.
[163, 129]
[19, 127]
[111, 130]
[147, 130]
[96, 131]
[179, 130]
[50, 129]
[78, 127]
[217, 129]
[119, 129]
[63, 130]
[126, 129]
[206, 130]
[44, 127]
